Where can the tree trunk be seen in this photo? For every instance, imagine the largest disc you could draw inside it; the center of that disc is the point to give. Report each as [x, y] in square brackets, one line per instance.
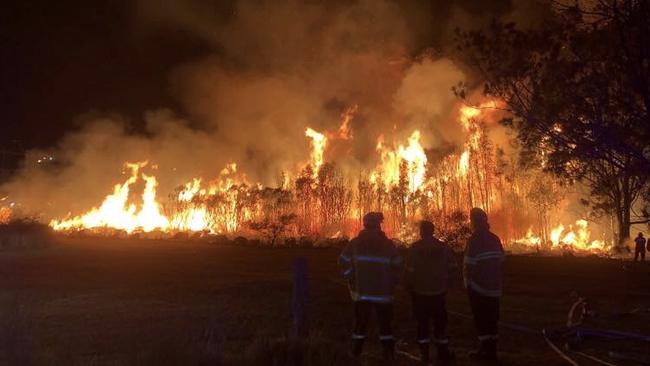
[624, 230]
[623, 215]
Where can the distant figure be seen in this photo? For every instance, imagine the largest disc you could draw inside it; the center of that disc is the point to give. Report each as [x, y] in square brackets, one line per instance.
[482, 273]
[371, 264]
[429, 267]
[639, 250]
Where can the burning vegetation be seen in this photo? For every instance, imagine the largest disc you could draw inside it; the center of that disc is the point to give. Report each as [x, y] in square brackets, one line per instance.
[409, 183]
[295, 127]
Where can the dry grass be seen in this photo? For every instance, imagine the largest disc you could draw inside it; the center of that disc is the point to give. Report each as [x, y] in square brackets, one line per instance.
[16, 332]
[24, 234]
[147, 302]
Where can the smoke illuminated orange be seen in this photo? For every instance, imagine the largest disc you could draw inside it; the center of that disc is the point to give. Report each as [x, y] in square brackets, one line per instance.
[405, 185]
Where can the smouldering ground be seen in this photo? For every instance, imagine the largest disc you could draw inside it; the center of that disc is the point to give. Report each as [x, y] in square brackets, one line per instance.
[141, 302]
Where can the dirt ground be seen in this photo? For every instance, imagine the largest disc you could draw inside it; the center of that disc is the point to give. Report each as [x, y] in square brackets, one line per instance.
[140, 302]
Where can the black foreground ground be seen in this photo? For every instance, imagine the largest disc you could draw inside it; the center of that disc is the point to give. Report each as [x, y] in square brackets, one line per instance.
[145, 302]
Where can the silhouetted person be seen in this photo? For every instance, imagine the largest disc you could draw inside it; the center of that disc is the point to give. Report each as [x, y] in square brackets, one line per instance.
[371, 264]
[482, 272]
[639, 249]
[429, 267]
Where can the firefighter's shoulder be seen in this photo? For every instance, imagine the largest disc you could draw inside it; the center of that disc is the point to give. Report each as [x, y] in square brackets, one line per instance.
[417, 247]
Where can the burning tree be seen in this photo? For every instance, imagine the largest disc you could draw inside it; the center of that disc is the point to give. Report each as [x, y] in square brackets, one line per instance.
[409, 183]
[334, 198]
[273, 229]
[578, 90]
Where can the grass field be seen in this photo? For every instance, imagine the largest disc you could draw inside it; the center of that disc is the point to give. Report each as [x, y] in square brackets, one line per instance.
[148, 302]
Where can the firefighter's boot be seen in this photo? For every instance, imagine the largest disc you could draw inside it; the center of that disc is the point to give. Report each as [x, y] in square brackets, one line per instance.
[357, 347]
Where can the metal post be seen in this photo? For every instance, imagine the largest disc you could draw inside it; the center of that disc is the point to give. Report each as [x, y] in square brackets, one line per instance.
[300, 298]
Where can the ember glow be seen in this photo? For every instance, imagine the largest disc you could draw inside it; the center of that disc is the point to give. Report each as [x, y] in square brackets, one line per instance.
[5, 215]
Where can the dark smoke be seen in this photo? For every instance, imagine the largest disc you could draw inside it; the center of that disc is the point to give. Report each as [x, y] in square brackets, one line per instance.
[277, 68]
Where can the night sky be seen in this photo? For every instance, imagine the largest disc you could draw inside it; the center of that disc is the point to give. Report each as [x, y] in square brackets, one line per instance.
[61, 61]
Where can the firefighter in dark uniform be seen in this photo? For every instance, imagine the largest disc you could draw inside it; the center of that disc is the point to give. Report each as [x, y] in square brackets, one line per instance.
[372, 264]
[429, 266]
[639, 249]
[482, 275]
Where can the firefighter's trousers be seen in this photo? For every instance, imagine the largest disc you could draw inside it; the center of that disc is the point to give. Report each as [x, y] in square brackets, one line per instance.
[384, 313]
[486, 315]
[425, 309]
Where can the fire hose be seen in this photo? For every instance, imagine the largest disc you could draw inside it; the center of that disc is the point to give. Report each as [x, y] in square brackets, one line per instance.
[528, 330]
[572, 326]
[557, 350]
[582, 331]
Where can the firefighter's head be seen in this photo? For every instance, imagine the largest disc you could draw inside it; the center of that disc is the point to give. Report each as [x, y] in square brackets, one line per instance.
[426, 229]
[373, 220]
[478, 219]
[640, 234]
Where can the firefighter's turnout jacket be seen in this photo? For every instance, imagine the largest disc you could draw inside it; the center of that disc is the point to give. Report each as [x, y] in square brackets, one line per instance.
[483, 258]
[429, 265]
[371, 264]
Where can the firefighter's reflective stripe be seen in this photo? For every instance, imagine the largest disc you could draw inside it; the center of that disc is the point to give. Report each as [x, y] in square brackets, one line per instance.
[424, 341]
[442, 341]
[345, 262]
[483, 256]
[474, 286]
[372, 259]
[386, 338]
[358, 336]
[489, 255]
[372, 298]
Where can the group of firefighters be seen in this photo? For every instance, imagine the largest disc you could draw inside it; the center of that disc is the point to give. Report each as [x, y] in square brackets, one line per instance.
[373, 266]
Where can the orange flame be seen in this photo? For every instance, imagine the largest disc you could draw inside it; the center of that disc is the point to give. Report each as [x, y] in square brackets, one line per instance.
[116, 212]
[228, 203]
[345, 130]
[530, 239]
[318, 144]
[577, 237]
[412, 156]
[5, 215]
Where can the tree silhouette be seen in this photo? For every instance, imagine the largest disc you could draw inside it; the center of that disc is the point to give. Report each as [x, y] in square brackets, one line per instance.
[578, 92]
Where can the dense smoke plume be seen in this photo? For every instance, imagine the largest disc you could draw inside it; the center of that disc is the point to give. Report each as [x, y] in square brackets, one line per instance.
[276, 69]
